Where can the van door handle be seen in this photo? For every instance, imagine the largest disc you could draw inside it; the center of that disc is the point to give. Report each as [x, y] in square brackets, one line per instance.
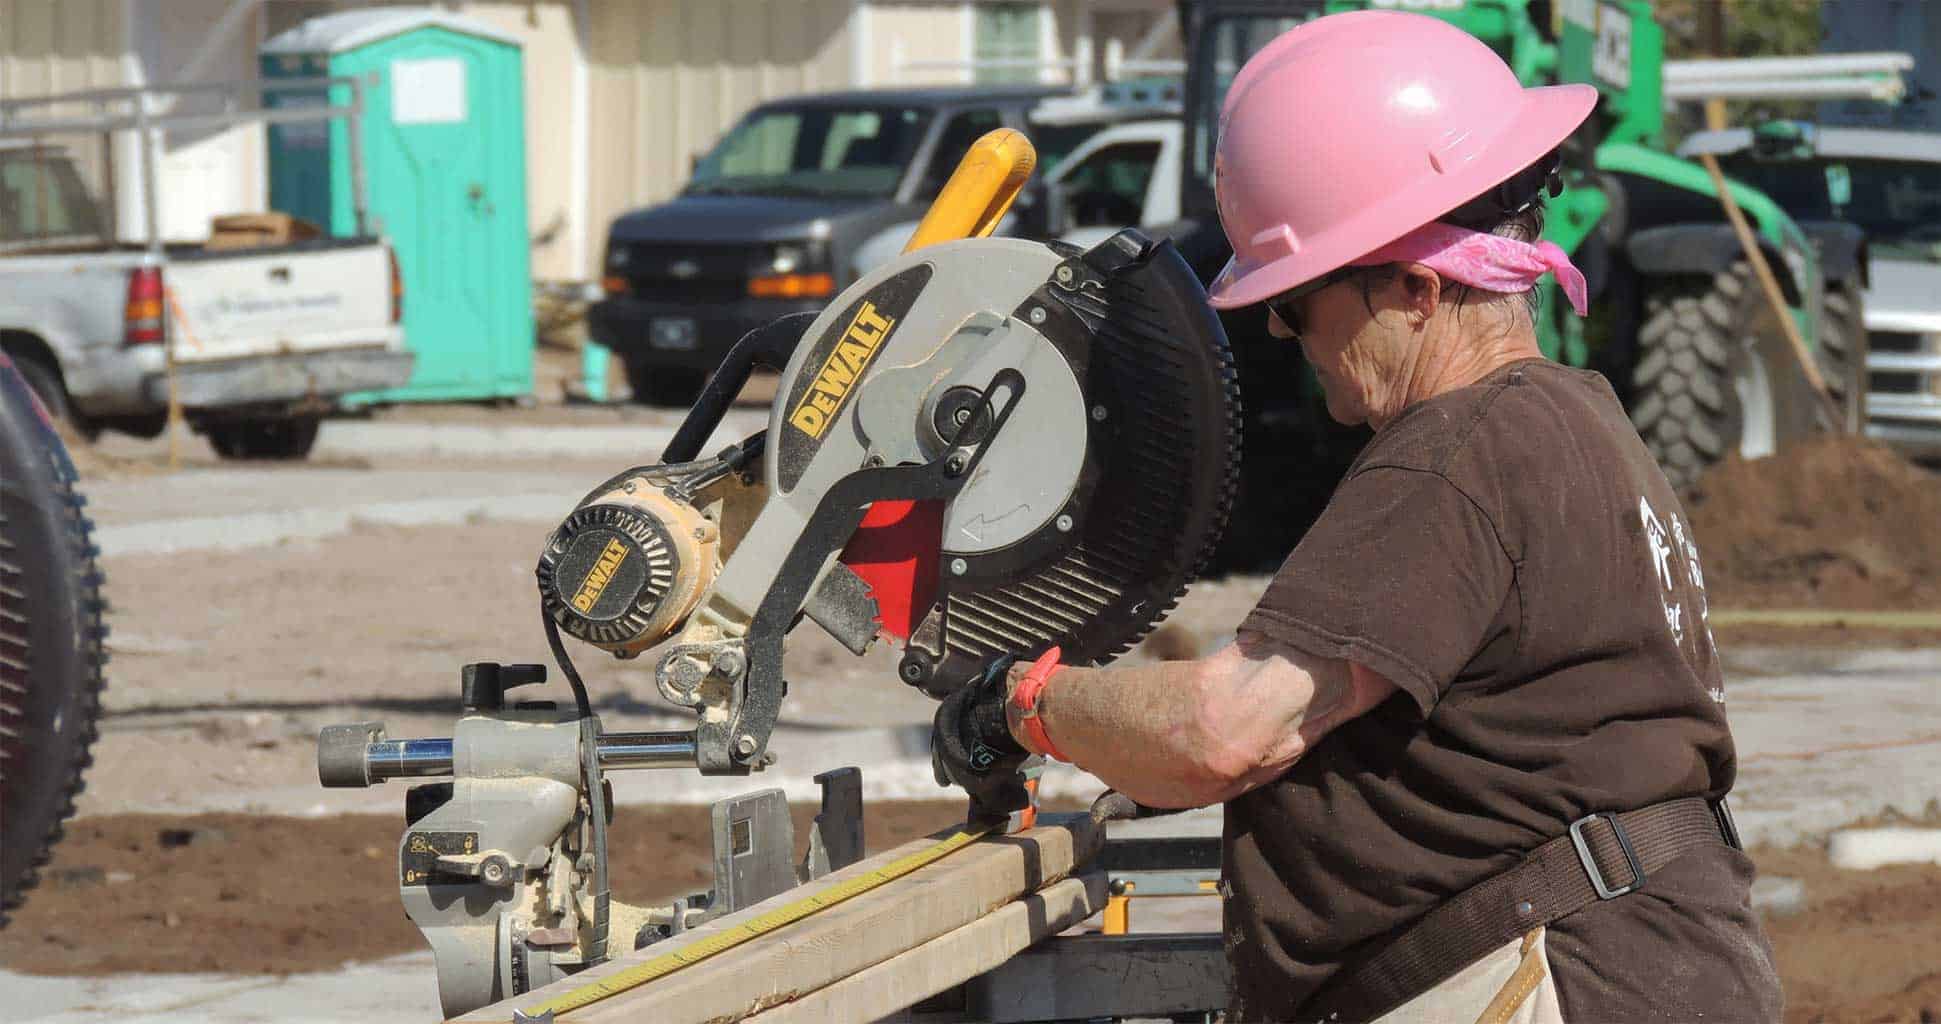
[281, 275]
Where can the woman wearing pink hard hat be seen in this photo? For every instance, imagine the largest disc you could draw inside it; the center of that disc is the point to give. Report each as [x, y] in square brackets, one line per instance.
[1471, 742]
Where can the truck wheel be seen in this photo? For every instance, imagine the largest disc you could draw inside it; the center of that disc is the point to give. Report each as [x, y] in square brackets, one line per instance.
[1843, 352]
[51, 641]
[46, 382]
[263, 439]
[1703, 385]
[664, 385]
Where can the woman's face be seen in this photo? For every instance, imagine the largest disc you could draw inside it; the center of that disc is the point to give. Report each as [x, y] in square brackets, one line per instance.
[1362, 359]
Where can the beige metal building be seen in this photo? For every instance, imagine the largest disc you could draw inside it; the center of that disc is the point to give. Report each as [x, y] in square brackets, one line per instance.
[621, 95]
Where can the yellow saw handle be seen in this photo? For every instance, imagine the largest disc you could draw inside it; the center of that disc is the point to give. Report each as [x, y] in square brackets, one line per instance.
[979, 191]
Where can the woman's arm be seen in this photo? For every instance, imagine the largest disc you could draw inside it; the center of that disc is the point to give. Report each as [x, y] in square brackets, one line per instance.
[1191, 733]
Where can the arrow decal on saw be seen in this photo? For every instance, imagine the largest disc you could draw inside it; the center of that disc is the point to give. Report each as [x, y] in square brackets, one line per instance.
[981, 522]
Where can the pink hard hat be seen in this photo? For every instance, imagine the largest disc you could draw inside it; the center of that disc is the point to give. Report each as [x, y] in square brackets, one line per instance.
[1352, 130]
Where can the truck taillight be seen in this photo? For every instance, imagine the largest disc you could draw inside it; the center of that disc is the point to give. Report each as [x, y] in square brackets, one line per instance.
[397, 288]
[142, 321]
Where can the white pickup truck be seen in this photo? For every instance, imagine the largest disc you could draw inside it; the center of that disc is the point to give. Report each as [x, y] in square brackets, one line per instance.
[1126, 176]
[265, 340]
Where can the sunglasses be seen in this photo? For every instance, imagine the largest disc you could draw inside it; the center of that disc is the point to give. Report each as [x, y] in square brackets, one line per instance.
[1285, 306]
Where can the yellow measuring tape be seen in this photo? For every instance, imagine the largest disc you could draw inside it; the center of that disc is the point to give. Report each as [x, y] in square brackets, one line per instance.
[754, 928]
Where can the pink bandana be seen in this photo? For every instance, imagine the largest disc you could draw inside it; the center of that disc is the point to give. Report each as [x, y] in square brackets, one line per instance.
[1490, 262]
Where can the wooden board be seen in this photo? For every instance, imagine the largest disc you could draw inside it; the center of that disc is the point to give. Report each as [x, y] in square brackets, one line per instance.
[850, 937]
[952, 959]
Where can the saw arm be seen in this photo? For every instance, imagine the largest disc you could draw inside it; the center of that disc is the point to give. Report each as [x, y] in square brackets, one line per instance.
[986, 446]
[1076, 519]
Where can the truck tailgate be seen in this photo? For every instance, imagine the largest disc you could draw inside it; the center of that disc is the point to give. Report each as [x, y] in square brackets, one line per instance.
[306, 297]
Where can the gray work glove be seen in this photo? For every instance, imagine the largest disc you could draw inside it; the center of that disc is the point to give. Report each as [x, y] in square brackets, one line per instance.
[971, 745]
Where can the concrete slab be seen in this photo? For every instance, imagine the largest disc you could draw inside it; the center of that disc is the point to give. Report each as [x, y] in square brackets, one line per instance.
[1858, 734]
[401, 988]
[257, 490]
[482, 441]
[204, 508]
[262, 529]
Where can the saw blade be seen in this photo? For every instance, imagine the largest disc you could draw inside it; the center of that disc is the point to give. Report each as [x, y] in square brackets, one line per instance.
[1158, 477]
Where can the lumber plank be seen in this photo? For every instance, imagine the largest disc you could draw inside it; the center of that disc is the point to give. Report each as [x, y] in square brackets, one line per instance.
[947, 960]
[840, 941]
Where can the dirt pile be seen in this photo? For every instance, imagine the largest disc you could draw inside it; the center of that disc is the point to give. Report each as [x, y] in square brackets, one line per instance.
[1836, 523]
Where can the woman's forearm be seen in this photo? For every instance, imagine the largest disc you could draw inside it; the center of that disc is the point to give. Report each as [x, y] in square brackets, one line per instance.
[1191, 733]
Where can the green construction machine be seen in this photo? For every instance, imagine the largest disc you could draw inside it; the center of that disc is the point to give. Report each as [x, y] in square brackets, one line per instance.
[1679, 323]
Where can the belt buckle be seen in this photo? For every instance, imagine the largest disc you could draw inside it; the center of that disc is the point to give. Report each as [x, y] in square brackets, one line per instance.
[1605, 892]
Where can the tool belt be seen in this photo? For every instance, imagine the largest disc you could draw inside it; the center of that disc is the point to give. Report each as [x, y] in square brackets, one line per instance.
[1602, 857]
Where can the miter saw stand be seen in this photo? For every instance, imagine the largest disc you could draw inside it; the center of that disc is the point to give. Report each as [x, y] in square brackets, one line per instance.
[503, 871]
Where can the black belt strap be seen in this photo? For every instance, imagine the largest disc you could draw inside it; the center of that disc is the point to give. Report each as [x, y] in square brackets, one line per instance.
[1602, 857]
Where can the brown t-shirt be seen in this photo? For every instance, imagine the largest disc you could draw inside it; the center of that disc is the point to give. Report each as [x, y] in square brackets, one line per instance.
[1512, 558]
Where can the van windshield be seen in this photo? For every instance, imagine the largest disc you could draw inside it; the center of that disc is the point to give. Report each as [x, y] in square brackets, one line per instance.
[858, 152]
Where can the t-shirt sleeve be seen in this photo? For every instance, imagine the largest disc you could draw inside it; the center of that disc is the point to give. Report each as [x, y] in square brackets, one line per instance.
[1402, 573]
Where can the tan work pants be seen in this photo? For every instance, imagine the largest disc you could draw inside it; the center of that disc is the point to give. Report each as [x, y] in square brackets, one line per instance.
[1512, 985]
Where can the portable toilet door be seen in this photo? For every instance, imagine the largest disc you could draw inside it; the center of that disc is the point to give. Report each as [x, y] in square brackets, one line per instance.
[445, 158]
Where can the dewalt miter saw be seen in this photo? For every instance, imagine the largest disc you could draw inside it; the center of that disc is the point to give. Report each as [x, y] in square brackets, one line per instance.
[987, 446]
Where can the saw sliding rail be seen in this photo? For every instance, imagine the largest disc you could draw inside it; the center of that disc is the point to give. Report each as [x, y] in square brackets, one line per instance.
[383, 760]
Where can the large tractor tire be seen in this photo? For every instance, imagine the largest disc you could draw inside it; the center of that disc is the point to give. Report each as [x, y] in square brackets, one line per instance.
[52, 639]
[1843, 352]
[1713, 375]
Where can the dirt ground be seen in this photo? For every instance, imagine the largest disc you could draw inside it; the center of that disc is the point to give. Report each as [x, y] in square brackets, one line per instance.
[151, 893]
[267, 895]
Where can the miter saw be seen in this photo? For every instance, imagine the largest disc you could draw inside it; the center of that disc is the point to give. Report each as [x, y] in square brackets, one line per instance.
[987, 446]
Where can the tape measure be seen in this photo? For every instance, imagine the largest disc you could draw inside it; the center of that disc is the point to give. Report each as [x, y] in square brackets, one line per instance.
[754, 928]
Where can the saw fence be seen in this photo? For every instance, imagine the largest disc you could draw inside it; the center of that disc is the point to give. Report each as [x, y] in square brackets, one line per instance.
[974, 935]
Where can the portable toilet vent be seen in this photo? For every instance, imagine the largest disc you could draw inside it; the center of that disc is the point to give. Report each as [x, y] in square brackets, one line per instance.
[444, 154]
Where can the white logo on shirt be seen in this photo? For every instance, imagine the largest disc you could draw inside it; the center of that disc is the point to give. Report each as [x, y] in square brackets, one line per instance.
[1665, 548]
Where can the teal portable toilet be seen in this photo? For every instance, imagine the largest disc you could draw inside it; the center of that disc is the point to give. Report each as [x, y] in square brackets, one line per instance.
[444, 149]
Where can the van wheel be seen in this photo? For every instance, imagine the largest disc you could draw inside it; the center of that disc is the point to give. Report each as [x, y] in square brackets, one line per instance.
[263, 438]
[664, 385]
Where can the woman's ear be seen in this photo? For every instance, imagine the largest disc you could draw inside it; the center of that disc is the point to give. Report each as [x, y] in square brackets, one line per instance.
[1421, 291]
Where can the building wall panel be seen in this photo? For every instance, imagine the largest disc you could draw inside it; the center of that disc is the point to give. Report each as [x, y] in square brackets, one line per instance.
[909, 33]
[667, 77]
[59, 47]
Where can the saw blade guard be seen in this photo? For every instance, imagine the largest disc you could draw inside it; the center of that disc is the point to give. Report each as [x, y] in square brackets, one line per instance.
[1100, 501]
